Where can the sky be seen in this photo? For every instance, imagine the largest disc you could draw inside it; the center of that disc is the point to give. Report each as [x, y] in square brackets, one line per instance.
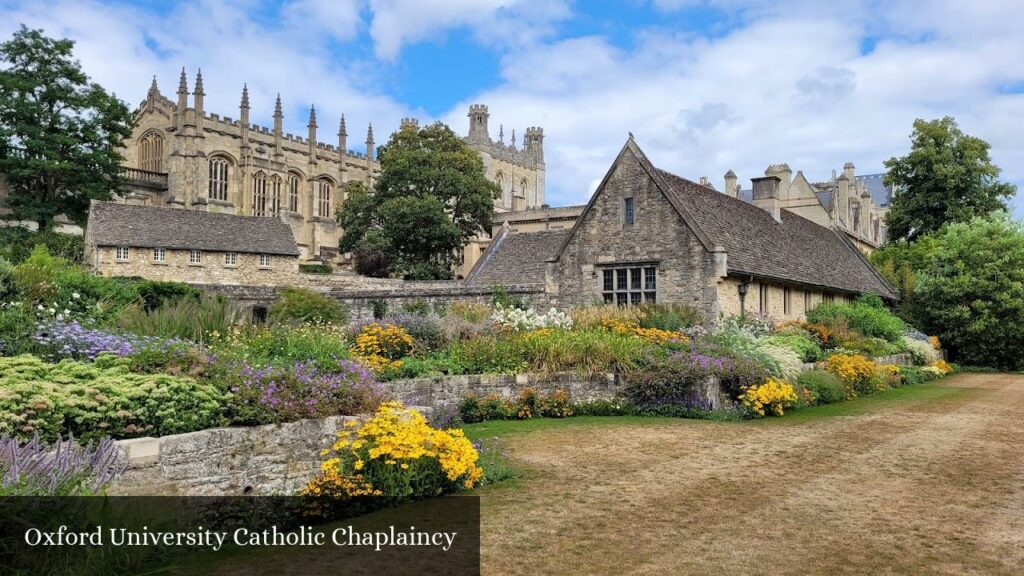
[704, 86]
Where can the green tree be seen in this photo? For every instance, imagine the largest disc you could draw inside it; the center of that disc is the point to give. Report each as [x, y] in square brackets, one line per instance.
[947, 177]
[59, 132]
[970, 291]
[432, 196]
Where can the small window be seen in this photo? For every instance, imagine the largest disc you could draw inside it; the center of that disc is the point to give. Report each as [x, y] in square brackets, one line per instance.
[628, 210]
[787, 301]
[828, 297]
[159, 255]
[609, 280]
[807, 300]
[635, 279]
[649, 278]
[264, 260]
[195, 257]
[122, 254]
[230, 259]
[763, 300]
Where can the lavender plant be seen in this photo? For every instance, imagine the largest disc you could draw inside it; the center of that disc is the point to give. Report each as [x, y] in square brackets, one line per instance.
[58, 339]
[64, 468]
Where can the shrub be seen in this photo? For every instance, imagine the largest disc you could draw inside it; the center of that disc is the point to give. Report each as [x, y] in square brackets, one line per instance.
[6, 279]
[319, 268]
[483, 355]
[669, 317]
[789, 364]
[156, 294]
[866, 316]
[653, 335]
[64, 468]
[774, 396]
[17, 326]
[470, 312]
[805, 348]
[282, 345]
[826, 386]
[599, 407]
[473, 408]
[528, 403]
[374, 256]
[529, 319]
[943, 366]
[301, 306]
[911, 376]
[922, 353]
[740, 343]
[380, 308]
[676, 379]
[398, 456]
[17, 243]
[284, 394]
[381, 346]
[500, 298]
[755, 325]
[194, 319]
[584, 351]
[57, 340]
[426, 329]
[600, 316]
[89, 401]
[869, 346]
[556, 404]
[857, 373]
[445, 416]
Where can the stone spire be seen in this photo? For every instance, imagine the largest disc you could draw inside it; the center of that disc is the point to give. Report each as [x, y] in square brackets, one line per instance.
[513, 137]
[243, 120]
[278, 116]
[198, 94]
[182, 96]
[154, 90]
[312, 132]
[342, 148]
[501, 133]
[245, 97]
[369, 156]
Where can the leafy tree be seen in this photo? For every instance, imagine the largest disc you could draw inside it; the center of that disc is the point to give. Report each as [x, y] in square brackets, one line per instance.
[970, 291]
[947, 177]
[432, 196]
[59, 132]
[899, 263]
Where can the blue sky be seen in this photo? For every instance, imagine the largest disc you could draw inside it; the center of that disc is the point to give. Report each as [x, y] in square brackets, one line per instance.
[705, 85]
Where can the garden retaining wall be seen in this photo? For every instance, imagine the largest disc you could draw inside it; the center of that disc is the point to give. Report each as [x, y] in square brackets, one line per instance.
[443, 390]
[277, 458]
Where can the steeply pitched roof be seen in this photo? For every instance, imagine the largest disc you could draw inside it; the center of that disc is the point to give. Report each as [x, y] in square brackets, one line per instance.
[112, 224]
[794, 250]
[516, 258]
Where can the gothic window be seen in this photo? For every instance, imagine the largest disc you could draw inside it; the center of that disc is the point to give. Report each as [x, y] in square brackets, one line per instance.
[524, 189]
[151, 152]
[506, 199]
[323, 199]
[293, 192]
[628, 211]
[259, 194]
[276, 187]
[219, 170]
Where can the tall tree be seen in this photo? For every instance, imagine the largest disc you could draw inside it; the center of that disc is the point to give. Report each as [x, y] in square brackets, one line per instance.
[59, 132]
[947, 177]
[432, 196]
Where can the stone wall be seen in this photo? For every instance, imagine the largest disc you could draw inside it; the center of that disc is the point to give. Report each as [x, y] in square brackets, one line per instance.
[269, 459]
[436, 294]
[658, 236]
[450, 389]
[283, 270]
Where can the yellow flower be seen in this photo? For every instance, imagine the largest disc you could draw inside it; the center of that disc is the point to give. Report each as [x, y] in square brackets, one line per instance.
[775, 395]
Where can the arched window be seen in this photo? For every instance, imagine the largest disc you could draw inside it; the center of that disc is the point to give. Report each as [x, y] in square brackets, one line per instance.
[506, 199]
[259, 194]
[323, 199]
[524, 190]
[276, 187]
[219, 177]
[151, 152]
[293, 192]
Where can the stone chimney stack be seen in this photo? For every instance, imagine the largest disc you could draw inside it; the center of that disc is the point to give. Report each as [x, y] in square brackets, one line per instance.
[478, 116]
[785, 175]
[841, 205]
[731, 188]
[766, 196]
[848, 171]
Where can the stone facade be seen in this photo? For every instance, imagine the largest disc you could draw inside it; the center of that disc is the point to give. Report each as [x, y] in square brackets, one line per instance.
[801, 299]
[447, 390]
[604, 241]
[434, 294]
[180, 155]
[212, 269]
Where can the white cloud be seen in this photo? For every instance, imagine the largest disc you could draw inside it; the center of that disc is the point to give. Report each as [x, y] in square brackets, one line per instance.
[782, 87]
[505, 23]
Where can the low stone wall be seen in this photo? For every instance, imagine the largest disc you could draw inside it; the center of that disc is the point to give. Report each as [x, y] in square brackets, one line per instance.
[450, 389]
[897, 359]
[270, 459]
[441, 294]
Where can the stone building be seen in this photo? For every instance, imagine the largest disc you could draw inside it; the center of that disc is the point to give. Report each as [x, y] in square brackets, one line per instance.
[194, 246]
[182, 156]
[650, 236]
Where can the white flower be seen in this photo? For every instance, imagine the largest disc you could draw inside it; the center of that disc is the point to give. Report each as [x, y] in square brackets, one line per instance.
[66, 311]
[41, 307]
[76, 295]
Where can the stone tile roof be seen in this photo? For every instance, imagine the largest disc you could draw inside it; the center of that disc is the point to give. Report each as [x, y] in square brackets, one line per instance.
[517, 258]
[794, 250]
[112, 224]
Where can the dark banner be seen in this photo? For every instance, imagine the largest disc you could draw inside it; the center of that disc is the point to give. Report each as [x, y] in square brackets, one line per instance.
[238, 536]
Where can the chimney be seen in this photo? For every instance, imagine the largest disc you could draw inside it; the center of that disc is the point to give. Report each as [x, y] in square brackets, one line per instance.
[848, 171]
[841, 204]
[730, 184]
[766, 196]
[785, 175]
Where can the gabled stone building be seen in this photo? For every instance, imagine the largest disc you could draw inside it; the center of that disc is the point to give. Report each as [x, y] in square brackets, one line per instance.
[193, 246]
[650, 236]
